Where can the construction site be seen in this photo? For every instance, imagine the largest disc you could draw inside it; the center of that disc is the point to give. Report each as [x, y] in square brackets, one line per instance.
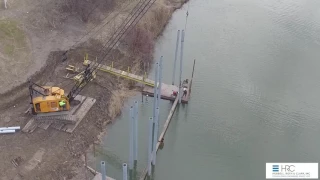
[66, 71]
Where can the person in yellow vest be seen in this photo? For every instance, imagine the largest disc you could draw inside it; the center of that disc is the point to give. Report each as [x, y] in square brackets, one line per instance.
[62, 104]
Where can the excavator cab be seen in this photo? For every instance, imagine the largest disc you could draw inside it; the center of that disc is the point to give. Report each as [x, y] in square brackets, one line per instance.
[46, 99]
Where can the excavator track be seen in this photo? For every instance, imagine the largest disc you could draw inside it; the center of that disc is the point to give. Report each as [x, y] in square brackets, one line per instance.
[67, 119]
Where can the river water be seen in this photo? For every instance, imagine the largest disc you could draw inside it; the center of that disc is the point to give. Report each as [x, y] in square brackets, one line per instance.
[254, 96]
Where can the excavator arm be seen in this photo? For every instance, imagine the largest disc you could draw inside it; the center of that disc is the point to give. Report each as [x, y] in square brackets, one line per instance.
[88, 75]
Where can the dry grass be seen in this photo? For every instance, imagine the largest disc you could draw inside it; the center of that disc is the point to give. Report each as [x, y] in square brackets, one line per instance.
[85, 9]
[157, 20]
[14, 52]
[140, 44]
[140, 41]
[54, 13]
[117, 100]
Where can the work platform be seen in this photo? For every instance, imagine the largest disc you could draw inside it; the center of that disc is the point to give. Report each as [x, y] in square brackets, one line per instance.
[79, 111]
[124, 74]
[166, 92]
[166, 89]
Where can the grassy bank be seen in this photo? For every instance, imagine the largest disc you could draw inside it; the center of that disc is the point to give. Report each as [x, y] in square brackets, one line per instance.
[14, 52]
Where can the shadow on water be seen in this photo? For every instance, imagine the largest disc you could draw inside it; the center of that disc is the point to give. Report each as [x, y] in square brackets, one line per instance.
[103, 154]
[112, 160]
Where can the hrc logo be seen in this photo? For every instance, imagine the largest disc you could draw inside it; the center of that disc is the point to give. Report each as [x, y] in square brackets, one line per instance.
[275, 168]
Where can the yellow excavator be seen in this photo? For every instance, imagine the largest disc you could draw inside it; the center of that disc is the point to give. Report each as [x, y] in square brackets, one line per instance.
[46, 99]
[51, 103]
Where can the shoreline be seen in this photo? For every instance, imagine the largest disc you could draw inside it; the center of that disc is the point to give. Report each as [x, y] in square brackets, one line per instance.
[103, 133]
[63, 151]
[135, 92]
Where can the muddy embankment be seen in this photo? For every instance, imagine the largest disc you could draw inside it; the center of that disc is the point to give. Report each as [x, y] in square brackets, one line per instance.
[62, 151]
[138, 46]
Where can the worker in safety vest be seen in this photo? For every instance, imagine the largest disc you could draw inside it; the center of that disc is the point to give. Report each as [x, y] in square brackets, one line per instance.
[62, 104]
[184, 92]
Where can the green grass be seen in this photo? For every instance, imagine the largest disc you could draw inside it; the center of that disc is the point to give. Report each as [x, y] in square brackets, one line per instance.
[11, 37]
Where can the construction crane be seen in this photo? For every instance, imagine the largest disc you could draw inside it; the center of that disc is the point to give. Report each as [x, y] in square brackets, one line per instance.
[51, 103]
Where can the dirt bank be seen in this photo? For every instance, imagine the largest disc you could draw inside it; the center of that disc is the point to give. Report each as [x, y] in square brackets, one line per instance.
[51, 154]
[43, 26]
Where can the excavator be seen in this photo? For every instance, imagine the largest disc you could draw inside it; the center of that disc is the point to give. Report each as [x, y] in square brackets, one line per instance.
[46, 99]
[52, 103]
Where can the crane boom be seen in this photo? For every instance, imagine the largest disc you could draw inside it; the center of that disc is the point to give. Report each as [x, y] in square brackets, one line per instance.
[76, 89]
[131, 21]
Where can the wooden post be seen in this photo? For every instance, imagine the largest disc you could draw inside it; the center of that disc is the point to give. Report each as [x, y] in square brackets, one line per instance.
[194, 63]
[94, 172]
